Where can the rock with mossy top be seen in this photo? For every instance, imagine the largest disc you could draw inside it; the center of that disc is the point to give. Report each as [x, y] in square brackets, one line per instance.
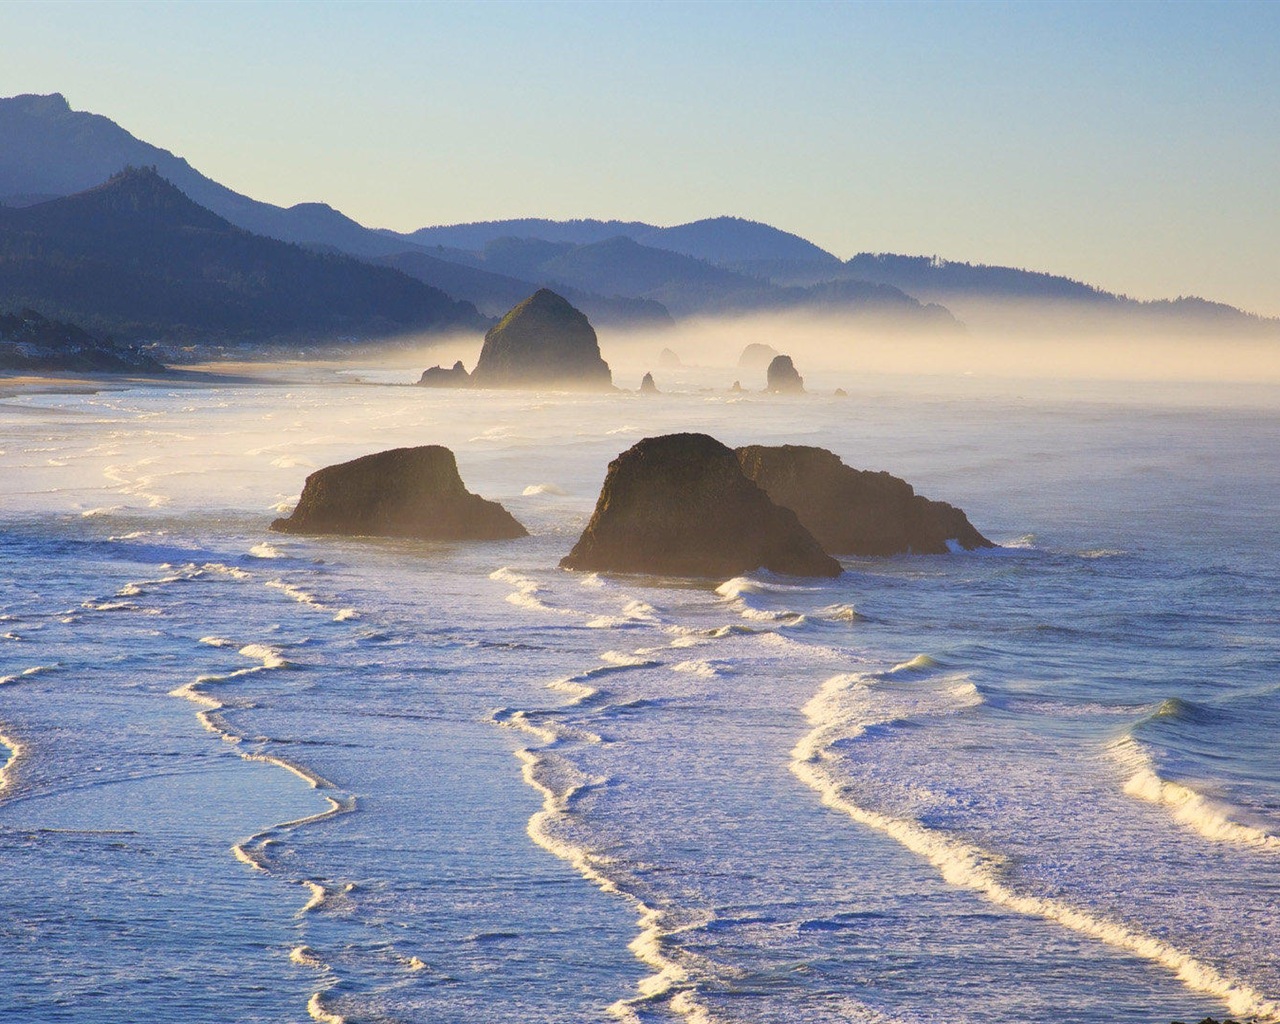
[856, 512]
[680, 505]
[542, 342]
[404, 492]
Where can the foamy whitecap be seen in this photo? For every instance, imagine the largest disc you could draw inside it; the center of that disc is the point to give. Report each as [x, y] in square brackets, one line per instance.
[15, 752]
[34, 670]
[535, 489]
[920, 663]
[963, 864]
[1212, 819]
[265, 550]
[269, 656]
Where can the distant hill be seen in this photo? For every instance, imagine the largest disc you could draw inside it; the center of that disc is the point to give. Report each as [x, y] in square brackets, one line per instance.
[475, 236]
[625, 270]
[29, 341]
[720, 240]
[137, 258]
[734, 241]
[493, 294]
[619, 272]
[1006, 297]
[48, 149]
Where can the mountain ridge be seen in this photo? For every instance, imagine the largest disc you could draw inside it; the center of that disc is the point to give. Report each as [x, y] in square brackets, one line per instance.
[138, 258]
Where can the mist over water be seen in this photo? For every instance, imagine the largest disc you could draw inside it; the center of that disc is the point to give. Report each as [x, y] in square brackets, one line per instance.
[392, 780]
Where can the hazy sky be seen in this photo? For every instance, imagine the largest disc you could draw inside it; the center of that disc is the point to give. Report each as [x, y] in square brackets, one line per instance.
[1132, 145]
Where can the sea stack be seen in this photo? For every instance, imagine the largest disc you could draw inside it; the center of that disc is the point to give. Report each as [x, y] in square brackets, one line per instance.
[668, 359]
[680, 505]
[647, 386]
[404, 492]
[756, 356]
[542, 342]
[439, 377]
[782, 378]
[856, 512]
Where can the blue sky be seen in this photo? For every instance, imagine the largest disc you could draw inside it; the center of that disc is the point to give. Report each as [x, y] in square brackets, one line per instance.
[1132, 145]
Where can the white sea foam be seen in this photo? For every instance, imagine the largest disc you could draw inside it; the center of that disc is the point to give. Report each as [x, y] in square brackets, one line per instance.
[1212, 819]
[304, 956]
[319, 1012]
[700, 667]
[534, 489]
[265, 550]
[6, 769]
[318, 895]
[526, 591]
[268, 655]
[26, 673]
[815, 761]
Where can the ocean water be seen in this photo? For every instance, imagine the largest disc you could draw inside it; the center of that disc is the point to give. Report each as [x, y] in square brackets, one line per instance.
[253, 777]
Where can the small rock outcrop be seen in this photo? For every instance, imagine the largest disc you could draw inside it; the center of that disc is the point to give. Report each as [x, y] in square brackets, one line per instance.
[405, 492]
[852, 511]
[756, 356]
[782, 378]
[680, 505]
[544, 341]
[439, 377]
[668, 359]
[647, 386]
[737, 388]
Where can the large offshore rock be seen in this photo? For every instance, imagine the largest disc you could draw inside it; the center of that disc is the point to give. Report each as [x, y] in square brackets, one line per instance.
[782, 377]
[439, 377]
[647, 386]
[756, 356]
[405, 492]
[680, 505]
[852, 511]
[544, 341]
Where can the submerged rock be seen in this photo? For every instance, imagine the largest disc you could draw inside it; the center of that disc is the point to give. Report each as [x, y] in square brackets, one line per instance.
[439, 377]
[856, 512]
[680, 505]
[544, 341]
[647, 386]
[782, 378]
[405, 492]
[756, 356]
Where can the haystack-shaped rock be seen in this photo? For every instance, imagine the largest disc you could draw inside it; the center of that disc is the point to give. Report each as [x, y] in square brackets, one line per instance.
[680, 505]
[668, 359]
[756, 356]
[542, 342]
[647, 386]
[405, 492]
[439, 377]
[852, 511]
[782, 378]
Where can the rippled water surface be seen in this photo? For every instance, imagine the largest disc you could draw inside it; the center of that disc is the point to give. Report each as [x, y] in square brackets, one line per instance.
[264, 778]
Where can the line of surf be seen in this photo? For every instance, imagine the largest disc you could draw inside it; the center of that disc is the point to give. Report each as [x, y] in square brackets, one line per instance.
[1192, 809]
[561, 784]
[968, 866]
[250, 851]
